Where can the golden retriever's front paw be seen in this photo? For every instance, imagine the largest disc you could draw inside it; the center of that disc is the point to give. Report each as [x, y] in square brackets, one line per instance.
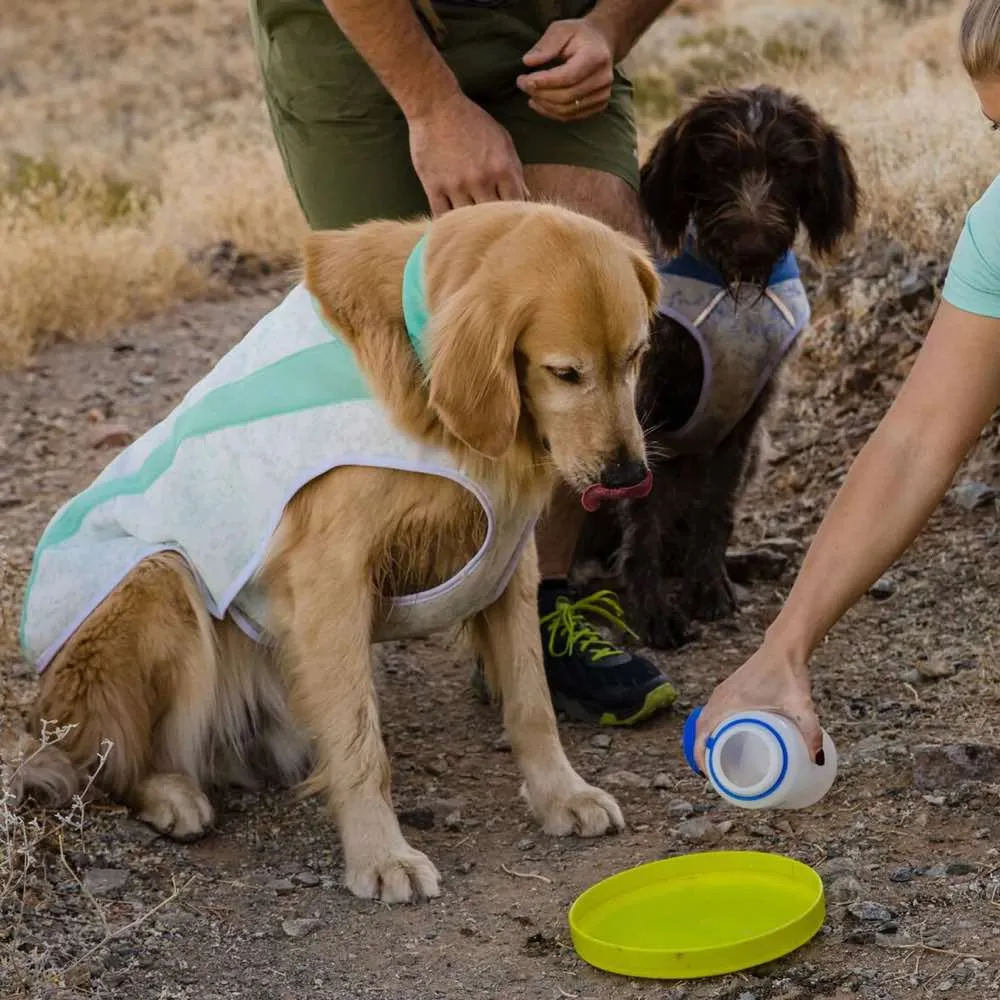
[580, 809]
[397, 875]
[174, 805]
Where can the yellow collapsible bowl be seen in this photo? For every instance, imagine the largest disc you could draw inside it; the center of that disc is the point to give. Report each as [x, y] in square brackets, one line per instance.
[698, 915]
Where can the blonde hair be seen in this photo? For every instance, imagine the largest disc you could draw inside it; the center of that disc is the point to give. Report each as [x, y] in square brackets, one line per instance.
[979, 39]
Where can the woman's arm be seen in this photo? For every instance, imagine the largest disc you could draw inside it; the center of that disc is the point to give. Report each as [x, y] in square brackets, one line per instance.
[892, 488]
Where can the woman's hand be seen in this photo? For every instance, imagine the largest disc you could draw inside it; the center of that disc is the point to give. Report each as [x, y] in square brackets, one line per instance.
[771, 680]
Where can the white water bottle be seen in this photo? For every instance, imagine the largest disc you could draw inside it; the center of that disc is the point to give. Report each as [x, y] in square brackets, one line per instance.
[759, 760]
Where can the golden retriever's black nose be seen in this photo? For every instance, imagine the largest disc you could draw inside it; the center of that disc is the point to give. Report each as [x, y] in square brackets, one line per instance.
[622, 471]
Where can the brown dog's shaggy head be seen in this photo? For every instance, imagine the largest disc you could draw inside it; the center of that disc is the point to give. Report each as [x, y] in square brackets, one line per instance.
[746, 166]
[538, 319]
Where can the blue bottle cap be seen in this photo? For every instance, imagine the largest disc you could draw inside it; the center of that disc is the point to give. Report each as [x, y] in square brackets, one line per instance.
[688, 739]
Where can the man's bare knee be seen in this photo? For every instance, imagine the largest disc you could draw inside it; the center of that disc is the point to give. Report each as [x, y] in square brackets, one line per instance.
[596, 193]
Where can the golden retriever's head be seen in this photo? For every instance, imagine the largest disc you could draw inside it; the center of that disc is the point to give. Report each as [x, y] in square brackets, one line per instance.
[539, 317]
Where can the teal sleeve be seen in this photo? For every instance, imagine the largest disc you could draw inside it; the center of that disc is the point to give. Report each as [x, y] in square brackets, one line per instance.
[973, 281]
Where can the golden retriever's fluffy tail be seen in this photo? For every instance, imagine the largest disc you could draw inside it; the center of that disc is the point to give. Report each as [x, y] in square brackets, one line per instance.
[39, 770]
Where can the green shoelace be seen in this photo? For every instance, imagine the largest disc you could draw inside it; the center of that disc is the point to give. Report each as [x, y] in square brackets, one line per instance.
[569, 630]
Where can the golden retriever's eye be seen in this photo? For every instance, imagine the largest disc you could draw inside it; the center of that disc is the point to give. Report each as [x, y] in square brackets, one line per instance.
[570, 375]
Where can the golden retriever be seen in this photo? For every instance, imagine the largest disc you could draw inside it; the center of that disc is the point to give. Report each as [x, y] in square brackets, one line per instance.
[539, 317]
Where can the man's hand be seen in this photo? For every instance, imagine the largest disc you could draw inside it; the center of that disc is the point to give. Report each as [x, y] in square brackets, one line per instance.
[463, 156]
[581, 86]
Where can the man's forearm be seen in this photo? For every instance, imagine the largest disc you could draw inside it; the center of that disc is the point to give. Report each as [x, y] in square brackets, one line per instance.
[390, 38]
[623, 22]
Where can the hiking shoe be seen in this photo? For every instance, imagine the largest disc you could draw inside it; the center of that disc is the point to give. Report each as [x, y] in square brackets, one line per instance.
[590, 678]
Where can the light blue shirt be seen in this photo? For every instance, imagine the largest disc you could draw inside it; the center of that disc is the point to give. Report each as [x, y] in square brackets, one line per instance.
[973, 281]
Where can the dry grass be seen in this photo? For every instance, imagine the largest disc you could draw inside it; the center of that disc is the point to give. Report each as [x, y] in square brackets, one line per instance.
[133, 138]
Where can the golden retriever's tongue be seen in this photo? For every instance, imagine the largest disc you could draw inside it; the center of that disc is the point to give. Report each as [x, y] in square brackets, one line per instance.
[594, 495]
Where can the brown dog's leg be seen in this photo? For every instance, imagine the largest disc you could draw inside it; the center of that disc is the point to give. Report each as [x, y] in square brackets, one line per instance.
[507, 638]
[141, 673]
[325, 609]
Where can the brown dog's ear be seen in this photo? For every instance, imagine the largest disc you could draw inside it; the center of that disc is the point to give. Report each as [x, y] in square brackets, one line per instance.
[666, 185]
[831, 199]
[473, 379]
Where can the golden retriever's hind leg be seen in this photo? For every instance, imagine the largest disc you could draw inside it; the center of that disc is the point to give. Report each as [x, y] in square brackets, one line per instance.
[507, 637]
[327, 643]
[141, 674]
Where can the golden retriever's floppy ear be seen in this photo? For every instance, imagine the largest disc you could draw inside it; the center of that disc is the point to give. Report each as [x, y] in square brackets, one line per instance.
[473, 378]
[649, 278]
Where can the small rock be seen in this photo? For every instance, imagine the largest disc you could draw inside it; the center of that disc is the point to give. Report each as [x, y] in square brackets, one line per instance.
[300, 927]
[525, 844]
[883, 588]
[944, 766]
[971, 495]
[110, 435]
[860, 935]
[680, 808]
[308, 880]
[282, 886]
[502, 744]
[725, 826]
[935, 668]
[699, 831]
[420, 817]
[600, 740]
[904, 874]
[625, 779]
[464, 867]
[662, 780]
[844, 889]
[945, 985]
[747, 995]
[453, 821]
[868, 912]
[104, 881]
[761, 563]
[934, 871]
[913, 289]
[960, 868]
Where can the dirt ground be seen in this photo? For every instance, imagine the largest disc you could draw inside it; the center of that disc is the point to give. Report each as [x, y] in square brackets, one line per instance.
[256, 910]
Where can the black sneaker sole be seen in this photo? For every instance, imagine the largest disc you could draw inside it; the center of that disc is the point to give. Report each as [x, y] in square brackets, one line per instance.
[655, 700]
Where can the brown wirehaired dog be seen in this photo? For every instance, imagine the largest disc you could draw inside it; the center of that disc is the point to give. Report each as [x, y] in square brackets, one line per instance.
[727, 186]
[537, 320]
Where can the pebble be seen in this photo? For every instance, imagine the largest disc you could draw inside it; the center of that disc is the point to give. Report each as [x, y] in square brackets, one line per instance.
[883, 588]
[833, 867]
[904, 874]
[104, 881]
[662, 780]
[307, 879]
[282, 886]
[680, 808]
[935, 668]
[699, 831]
[913, 288]
[453, 821]
[300, 927]
[971, 495]
[870, 912]
[110, 435]
[624, 779]
[526, 844]
[502, 744]
[420, 817]
[960, 868]
[944, 766]
[600, 740]
[844, 889]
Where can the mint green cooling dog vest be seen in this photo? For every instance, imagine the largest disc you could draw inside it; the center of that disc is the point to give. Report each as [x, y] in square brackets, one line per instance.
[211, 481]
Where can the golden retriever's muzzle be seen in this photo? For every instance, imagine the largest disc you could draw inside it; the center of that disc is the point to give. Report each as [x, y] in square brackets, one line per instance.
[623, 477]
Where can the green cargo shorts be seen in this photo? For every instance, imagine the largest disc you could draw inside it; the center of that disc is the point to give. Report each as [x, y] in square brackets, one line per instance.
[344, 141]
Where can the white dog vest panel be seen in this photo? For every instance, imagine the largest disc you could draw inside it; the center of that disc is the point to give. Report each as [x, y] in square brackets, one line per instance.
[211, 481]
[742, 340]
